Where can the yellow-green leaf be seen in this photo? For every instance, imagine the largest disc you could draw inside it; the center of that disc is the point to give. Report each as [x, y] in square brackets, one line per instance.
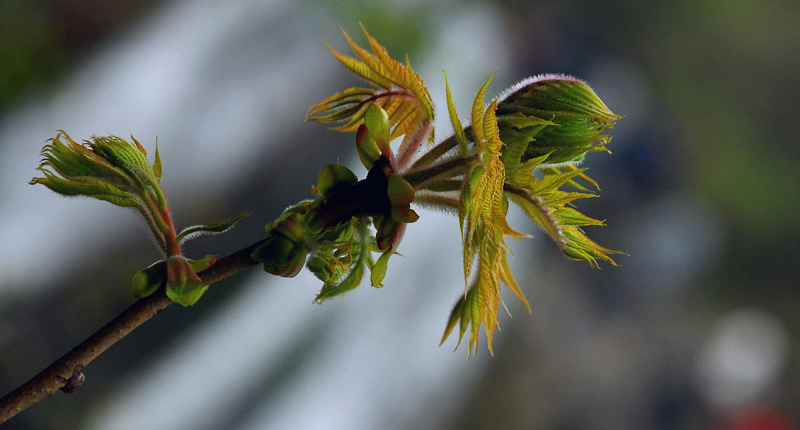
[401, 93]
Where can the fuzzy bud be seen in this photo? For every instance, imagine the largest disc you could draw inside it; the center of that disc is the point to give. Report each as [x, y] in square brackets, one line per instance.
[558, 115]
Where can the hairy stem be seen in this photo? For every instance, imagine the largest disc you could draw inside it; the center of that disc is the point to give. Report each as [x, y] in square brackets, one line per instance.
[55, 376]
[441, 148]
[417, 138]
[436, 151]
[443, 170]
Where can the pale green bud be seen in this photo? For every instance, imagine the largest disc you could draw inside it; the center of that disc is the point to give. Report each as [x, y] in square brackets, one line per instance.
[555, 114]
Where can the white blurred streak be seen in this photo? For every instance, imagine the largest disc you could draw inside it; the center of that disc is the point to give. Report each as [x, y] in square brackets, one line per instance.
[206, 78]
[377, 357]
[470, 49]
[157, 81]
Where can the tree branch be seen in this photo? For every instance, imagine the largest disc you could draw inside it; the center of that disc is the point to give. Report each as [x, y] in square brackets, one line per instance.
[56, 375]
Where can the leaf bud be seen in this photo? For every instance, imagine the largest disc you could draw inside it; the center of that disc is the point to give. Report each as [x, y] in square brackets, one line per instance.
[332, 175]
[281, 256]
[401, 194]
[147, 281]
[367, 149]
[183, 284]
[377, 122]
[555, 114]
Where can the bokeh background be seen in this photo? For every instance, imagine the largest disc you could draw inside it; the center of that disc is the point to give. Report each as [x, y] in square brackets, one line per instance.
[699, 328]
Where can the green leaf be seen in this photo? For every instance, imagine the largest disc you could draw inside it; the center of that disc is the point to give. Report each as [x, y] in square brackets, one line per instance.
[545, 204]
[478, 112]
[455, 316]
[340, 105]
[479, 304]
[457, 128]
[157, 164]
[357, 253]
[580, 247]
[214, 228]
[401, 93]
[570, 216]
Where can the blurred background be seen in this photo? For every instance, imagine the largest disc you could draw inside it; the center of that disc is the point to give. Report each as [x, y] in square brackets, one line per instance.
[698, 329]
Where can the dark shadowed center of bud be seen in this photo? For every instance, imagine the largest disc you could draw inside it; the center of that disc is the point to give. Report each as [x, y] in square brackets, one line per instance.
[367, 197]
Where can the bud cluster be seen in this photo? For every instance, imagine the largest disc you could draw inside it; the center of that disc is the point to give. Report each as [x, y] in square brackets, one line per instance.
[111, 169]
[333, 233]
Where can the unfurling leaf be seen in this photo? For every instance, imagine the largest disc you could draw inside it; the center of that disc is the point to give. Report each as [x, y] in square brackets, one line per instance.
[400, 92]
[340, 263]
[112, 169]
[571, 113]
[214, 228]
[483, 230]
[458, 130]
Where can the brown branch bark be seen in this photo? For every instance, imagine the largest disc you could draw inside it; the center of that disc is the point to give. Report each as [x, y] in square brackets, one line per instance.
[56, 375]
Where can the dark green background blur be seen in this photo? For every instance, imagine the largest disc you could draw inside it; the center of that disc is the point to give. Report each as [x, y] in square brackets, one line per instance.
[701, 191]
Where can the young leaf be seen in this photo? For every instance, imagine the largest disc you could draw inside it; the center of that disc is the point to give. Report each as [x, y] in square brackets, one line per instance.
[111, 169]
[400, 92]
[214, 228]
[454, 120]
[356, 254]
[483, 229]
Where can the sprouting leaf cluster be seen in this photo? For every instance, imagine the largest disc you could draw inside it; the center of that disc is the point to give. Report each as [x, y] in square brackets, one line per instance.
[522, 148]
[111, 169]
[334, 233]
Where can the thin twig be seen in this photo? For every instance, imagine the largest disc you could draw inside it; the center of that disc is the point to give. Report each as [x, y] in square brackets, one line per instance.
[55, 376]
